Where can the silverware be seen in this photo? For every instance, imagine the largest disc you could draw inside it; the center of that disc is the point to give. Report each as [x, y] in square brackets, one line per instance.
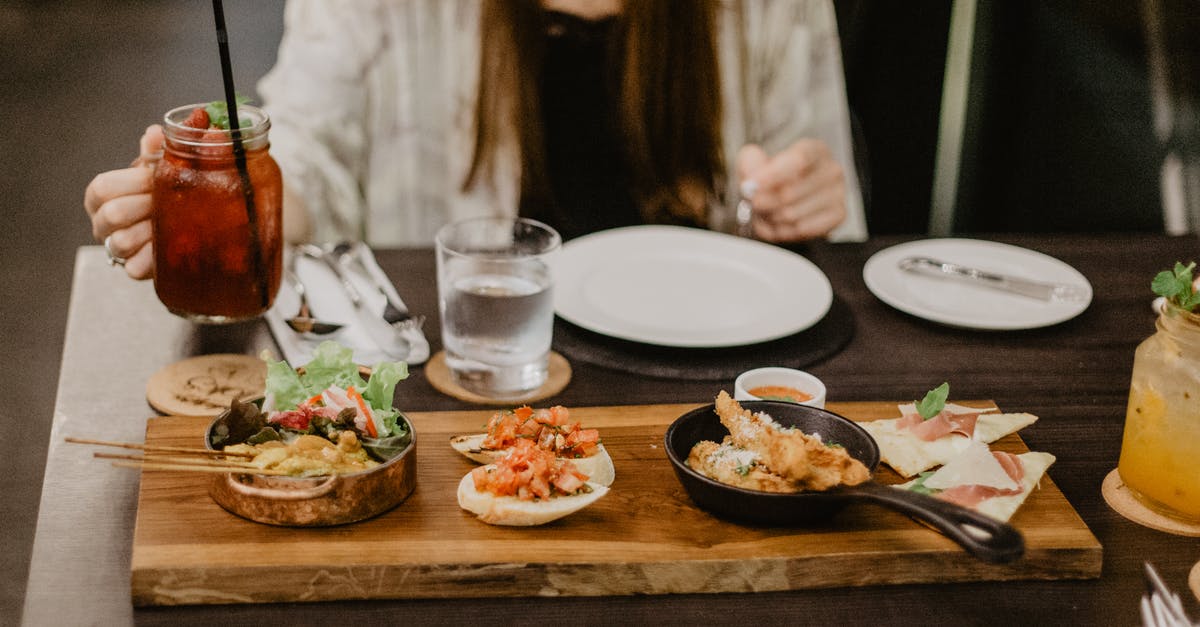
[1159, 606]
[745, 211]
[303, 322]
[1053, 292]
[389, 338]
[394, 313]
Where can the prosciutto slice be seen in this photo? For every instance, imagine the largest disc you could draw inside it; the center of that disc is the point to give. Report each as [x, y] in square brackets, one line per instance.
[972, 495]
[940, 425]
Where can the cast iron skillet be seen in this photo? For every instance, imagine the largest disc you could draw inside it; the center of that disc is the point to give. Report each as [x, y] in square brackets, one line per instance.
[984, 537]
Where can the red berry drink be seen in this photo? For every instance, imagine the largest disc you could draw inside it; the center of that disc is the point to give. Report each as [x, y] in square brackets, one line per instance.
[217, 250]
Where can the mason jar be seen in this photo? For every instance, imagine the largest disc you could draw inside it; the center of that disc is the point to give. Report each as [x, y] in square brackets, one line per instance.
[1161, 443]
[218, 251]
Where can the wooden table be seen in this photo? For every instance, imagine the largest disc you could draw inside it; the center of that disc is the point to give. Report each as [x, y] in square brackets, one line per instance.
[1075, 376]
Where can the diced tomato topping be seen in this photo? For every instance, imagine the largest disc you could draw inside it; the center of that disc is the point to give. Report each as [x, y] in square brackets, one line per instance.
[547, 428]
[529, 472]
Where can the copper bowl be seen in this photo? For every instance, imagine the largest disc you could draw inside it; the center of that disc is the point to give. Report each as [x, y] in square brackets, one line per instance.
[317, 501]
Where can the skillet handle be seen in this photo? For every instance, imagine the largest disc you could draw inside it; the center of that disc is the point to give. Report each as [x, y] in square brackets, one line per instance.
[982, 536]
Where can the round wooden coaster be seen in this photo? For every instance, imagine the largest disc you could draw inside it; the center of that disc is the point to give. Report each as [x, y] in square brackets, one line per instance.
[1194, 580]
[438, 374]
[1121, 499]
[205, 385]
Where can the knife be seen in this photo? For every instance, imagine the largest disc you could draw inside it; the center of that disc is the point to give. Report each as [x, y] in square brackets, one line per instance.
[390, 340]
[1051, 292]
[395, 312]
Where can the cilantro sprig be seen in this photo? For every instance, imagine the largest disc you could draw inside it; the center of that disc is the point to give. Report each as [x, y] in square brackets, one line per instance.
[1176, 286]
[934, 401]
[218, 113]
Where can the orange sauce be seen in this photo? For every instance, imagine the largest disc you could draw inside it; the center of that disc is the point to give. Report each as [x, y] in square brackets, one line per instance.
[780, 392]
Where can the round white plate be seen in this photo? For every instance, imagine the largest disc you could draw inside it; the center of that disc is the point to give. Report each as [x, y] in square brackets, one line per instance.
[961, 304]
[685, 287]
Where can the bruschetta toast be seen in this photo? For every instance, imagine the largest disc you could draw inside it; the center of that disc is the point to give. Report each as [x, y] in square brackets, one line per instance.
[528, 486]
[550, 429]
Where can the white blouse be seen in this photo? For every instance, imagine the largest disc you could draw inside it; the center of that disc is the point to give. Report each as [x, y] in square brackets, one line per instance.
[372, 105]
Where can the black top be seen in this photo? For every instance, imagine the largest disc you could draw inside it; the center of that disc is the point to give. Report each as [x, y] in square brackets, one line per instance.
[585, 161]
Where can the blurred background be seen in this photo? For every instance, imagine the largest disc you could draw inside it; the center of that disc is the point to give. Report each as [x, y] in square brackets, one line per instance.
[971, 118]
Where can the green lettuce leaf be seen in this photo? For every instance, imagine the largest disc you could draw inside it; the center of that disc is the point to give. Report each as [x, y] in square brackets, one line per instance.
[380, 390]
[285, 390]
[331, 364]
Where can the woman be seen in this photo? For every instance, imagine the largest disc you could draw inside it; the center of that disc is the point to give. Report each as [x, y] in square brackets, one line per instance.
[391, 118]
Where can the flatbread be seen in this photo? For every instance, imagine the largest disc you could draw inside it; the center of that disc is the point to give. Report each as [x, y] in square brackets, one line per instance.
[909, 455]
[513, 512]
[1002, 508]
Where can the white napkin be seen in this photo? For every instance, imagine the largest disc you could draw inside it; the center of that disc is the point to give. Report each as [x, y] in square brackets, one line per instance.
[327, 301]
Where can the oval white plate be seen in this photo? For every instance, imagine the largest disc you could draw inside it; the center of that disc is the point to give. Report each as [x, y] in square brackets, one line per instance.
[960, 304]
[686, 287]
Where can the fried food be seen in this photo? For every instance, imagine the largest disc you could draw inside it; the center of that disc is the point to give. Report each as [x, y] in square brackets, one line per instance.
[804, 461]
[735, 466]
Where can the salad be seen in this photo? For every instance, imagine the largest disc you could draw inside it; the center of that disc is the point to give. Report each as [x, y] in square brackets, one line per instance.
[326, 400]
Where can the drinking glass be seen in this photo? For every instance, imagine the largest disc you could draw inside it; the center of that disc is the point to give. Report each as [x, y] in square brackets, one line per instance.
[496, 301]
[1162, 421]
[218, 252]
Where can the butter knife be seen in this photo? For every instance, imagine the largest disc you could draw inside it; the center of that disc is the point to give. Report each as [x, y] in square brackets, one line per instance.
[395, 312]
[389, 339]
[1050, 292]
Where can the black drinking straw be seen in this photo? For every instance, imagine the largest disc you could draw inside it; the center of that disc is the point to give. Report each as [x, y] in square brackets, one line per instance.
[239, 151]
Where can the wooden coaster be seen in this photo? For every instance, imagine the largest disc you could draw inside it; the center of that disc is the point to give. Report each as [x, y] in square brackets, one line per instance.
[1121, 499]
[205, 385]
[1194, 580]
[440, 378]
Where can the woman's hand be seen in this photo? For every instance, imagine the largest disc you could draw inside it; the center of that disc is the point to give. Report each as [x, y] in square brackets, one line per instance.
[799, 193]
[118, 202]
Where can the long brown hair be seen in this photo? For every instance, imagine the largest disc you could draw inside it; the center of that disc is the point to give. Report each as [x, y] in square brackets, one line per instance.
[670, 104]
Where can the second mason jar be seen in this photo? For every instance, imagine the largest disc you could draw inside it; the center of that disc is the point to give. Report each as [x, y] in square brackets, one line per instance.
[1162, 422]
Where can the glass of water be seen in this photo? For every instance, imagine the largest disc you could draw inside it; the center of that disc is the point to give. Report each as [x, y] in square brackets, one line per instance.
[495, 297]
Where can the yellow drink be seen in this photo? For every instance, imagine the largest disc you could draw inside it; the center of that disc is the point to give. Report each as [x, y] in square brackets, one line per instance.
[1160, 451]
[1160, 455]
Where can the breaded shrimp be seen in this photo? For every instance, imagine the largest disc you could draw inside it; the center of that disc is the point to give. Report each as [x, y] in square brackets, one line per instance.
[804, 460]
[734, 466]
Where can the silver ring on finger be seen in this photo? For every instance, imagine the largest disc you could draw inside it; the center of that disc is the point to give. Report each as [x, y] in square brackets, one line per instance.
[113, 258]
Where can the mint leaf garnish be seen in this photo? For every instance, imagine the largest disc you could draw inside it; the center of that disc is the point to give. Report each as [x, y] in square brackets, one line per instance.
[1176, 286]
[218, 113]
[934, 401]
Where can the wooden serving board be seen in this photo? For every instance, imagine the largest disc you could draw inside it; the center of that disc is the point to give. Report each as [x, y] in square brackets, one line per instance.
[644, 537]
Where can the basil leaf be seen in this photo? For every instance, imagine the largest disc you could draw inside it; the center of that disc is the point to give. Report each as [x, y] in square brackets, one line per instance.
[934, 401]
[919, 486]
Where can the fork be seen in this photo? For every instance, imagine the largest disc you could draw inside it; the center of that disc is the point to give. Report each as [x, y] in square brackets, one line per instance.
[394, 313]
[1159, 606]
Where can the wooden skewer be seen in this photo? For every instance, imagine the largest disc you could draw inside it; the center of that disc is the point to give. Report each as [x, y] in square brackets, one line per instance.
[178, 460]
[159, 449]
[197, 468]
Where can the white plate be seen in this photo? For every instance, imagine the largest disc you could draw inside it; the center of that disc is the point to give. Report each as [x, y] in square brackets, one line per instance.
[961, 304]
[685, 287]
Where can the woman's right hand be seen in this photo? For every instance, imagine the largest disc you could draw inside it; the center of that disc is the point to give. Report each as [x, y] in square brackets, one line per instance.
[118, 203]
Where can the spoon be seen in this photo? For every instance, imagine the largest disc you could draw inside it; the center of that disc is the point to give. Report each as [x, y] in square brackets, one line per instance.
[303, 322]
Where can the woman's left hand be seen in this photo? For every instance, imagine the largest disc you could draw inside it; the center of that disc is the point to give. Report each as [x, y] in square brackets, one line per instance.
[799, 193]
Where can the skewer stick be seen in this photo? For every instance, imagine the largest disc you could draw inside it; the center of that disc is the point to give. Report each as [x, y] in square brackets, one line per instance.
[179, 460]
[158, 449]
[195, 468]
